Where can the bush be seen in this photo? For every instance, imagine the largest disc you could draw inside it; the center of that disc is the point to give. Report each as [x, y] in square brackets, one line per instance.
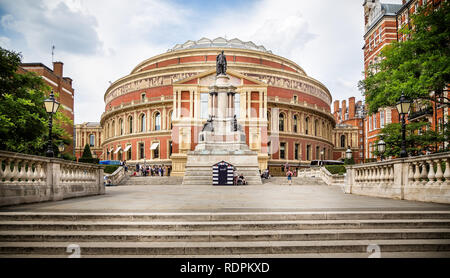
[89, 160]
[336, 169]
[109, 169]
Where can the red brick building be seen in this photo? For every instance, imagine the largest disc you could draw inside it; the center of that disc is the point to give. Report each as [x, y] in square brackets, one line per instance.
[155, 113]
[88, 133]
[349, 131]
[382, 25]
[62, 87]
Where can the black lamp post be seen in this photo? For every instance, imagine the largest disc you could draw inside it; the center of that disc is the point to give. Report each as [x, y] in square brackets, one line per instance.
[51, 106]
[403, 106]
[348, 153]
[381, 148]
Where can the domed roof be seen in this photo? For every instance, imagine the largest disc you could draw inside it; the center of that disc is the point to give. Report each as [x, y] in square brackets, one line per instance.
[219, 43]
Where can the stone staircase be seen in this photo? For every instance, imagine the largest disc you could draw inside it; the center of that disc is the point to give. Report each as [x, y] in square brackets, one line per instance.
[152, 180]
[258, 234]
[200, 175]
[295, 181]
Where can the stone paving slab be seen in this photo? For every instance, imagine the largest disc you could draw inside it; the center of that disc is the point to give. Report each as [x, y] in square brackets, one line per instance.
[200, 198]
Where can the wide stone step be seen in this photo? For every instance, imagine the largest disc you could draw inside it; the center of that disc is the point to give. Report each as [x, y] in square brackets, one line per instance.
[230, 216]
[227, 248]
[207, 236]
[223, 225]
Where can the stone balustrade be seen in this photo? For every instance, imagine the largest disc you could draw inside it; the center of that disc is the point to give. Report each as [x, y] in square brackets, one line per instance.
[324, 174]
[28, 179]
[422, 178]
[117, 176]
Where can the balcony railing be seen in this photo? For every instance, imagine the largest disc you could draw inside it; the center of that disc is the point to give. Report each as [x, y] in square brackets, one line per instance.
[421, 112]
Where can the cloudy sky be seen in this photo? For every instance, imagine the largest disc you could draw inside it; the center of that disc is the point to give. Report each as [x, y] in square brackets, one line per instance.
[102, 40]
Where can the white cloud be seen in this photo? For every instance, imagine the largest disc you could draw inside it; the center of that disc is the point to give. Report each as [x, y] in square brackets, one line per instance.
[101, 41]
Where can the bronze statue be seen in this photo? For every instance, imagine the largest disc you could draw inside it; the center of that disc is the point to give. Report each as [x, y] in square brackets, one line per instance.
[221, 64]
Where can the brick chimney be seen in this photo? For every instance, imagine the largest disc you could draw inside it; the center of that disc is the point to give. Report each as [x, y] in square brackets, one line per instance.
[336, 110]
[344, 109]
[58, 69]
[351, 107]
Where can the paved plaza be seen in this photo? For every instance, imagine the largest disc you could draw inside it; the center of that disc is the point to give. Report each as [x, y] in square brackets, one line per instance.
[196, 198]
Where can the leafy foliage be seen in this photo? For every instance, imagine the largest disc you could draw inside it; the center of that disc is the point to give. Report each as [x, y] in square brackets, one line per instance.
[336, 169]
[23, 119]
[87, 152]
[419, 139]
[416, 66]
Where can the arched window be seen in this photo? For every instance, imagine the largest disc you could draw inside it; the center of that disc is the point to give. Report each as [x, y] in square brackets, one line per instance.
[108, 131]
[342, 141]
[306, 125]
[157, 121]
[92, 140]
[113, 132]
[121, 126]
[142, 122]
[316, 127]
[281, 122]
[130, 124]
[295, 123]
[170, 119]
[322, 131]
[269, 121]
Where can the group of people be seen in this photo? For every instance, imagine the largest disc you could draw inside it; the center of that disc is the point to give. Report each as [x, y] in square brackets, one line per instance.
[154, 170]
[239, 180]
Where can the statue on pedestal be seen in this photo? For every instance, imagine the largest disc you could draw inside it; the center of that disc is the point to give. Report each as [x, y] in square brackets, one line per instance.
[221, 64]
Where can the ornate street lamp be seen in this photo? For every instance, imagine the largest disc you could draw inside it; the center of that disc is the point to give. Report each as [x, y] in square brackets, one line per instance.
[322, 154]
[51, 106]
[61, 148]
[403, 106]
[348, 153]
[381, 148]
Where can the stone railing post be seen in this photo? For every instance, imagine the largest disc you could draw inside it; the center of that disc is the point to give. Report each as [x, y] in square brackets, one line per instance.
[349, 179]
[56, 185]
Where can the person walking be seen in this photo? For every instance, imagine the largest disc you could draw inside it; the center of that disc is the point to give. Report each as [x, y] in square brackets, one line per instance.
[289, 177]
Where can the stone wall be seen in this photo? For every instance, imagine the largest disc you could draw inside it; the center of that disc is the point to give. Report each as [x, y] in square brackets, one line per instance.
[29, 179]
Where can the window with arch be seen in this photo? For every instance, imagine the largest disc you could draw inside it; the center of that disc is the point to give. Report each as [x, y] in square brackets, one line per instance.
[307, 125]
[295, 127]
[130, 124]
[157, 121]
[113, 129]
[170, 119]
[143, 97]
[92, 140]
[342, 141]
[323, 131]
[269, 121]
[316, 127]
[108, 131]
[281, 122]
[121, 126]
[142, 122]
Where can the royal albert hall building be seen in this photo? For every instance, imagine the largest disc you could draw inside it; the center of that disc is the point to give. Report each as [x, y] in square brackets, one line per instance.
[154, 114]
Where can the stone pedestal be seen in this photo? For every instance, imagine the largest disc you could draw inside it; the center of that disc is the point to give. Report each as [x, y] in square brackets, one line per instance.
[221, 139]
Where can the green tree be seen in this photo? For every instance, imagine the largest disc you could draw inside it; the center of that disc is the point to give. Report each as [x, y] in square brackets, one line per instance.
[417, 66]
[419, 139]
[23, 119]
[87, 152]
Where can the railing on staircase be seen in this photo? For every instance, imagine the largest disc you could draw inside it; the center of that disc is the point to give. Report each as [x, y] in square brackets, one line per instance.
[422, 178]
[324, 174]
[29, 178]
[117, 176]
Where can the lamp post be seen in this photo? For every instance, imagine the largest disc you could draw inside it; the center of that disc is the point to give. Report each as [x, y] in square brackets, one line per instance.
[381, 148]
[403, 106]
[348, 153]
[61, 148]
[322, 154]
[51, 106]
